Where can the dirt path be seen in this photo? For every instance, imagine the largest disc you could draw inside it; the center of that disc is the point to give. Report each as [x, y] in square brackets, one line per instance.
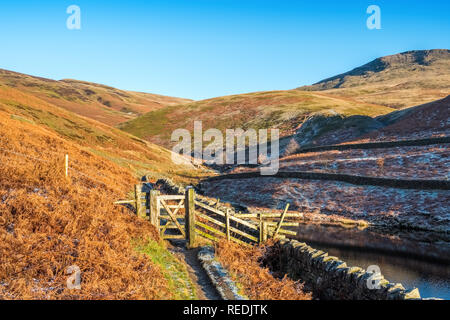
[205, 289]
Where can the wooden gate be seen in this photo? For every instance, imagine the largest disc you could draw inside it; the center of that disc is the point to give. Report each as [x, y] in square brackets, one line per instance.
[214, 224]
[171, 216]
[185, 217]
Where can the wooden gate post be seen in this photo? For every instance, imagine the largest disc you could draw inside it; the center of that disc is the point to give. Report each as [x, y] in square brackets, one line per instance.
[265, 230]
[227, 225]
[280, 223]
[154, 214]
[260, 228]
[189, 206]
[138, 200]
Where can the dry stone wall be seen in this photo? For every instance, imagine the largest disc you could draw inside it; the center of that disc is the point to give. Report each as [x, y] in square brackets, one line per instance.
[331, 279]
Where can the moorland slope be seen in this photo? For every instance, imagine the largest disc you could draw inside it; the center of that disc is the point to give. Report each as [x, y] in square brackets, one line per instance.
[285, 110]
[103, 103]
[49, 222]
[138, 156]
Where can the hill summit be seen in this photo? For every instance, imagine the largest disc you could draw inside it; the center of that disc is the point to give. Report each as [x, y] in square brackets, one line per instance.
[398, 81]
[394, 65]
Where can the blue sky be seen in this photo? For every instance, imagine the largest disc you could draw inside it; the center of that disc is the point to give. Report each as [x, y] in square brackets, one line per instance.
[201, 49]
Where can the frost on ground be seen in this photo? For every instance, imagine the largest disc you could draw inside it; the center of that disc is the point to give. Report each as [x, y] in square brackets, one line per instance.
[425, 162]
[411, 209]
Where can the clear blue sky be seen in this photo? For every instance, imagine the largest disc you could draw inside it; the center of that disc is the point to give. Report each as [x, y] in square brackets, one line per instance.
[200, 49]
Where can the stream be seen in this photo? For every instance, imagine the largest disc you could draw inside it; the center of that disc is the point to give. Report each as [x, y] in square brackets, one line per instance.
[402, 258]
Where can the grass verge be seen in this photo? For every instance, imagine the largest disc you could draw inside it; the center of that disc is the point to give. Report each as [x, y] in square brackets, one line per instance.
[174, 271]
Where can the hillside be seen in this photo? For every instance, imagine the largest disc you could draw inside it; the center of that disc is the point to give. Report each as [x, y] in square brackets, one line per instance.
[398, 81]
[377, 88]
[49, 222]
[102, 103]
[420, 122]
[424, 121]
[137, 156]
[380, 205]
[285, 110]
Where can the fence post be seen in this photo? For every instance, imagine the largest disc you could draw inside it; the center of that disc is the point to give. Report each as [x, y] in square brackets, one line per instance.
[189, 207]
[280, 223]
[227, 217]
[260, 228]
[265, 230]
[154, 214]
[66, 165]
[138, 200]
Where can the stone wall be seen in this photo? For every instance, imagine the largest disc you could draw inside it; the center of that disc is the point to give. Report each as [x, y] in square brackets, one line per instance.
[218, 275]
[327, 277]
[331, 279]
[422, 184]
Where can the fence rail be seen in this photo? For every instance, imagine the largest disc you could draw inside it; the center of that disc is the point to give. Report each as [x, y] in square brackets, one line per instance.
[187, 217]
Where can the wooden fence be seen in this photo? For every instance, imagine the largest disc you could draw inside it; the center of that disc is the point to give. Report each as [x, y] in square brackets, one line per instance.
[188, 217]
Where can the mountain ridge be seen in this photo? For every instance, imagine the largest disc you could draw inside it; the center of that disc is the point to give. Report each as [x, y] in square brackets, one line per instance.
[401, 81]
[413, 57]
[398, 81]
[100, 102]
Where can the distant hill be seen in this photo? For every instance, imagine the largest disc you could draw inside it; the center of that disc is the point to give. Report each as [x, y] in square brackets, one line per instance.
[377, 88]
[102, 103]
[285, 110]
[398, 81]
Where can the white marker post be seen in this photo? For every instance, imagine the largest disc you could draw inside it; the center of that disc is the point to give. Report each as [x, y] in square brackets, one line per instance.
[66, 166]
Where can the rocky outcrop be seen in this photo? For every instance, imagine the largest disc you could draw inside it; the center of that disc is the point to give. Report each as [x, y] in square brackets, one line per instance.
[325, 129]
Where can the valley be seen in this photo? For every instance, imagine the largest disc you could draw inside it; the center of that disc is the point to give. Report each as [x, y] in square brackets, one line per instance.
[118, 139]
